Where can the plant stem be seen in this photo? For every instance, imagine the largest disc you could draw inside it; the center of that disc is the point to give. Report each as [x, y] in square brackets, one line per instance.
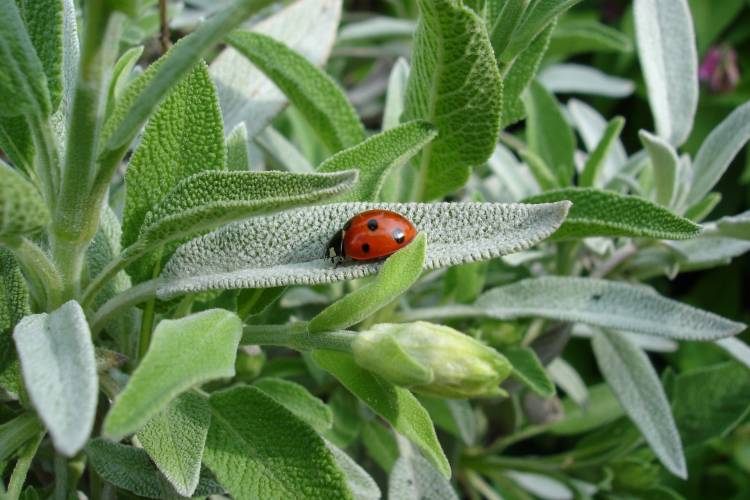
[18, 477]
[164, 21]
[295, 336]
[120, 302]
[17, 432]
[61, 477]
[147, 326]
[116, 265]
[48, 163]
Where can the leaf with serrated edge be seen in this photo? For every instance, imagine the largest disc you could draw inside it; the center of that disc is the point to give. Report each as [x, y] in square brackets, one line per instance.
[636, 385]
[454, 84]
[395, 404]
[529, 370]
[377, 155]
[607, 304]
[606, 213]
[59, 371]
[297, 399]
[259, 449]
[289, 248]
[22, 209]
[169, 369]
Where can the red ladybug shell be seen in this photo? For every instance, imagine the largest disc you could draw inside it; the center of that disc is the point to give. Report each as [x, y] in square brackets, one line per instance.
[372, 235]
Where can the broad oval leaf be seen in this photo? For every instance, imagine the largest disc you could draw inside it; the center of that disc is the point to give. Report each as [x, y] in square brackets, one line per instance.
[59, 371]
[297, 399]
[320, 100]
[607, 304]
[169, 369]
[259, 449]
[454, 84]
[22, 210]
[289, 248]
[597, 212]
[636, 385]
[669, 60]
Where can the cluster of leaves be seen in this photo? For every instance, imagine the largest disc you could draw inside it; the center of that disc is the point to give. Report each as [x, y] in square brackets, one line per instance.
[147, 318]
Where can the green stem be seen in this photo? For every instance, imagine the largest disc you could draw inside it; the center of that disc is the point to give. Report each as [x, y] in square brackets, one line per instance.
[129, 255]
[61, 477]
[566, 257]
[120, 302]
[18, 477]
[295, 336]
[48, 161]
[147, 326]
[70, 256]
[45, 283]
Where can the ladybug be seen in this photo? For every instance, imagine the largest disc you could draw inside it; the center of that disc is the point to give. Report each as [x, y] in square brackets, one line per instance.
[371, 235]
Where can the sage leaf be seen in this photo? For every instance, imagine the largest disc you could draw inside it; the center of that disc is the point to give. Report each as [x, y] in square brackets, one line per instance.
[395, 404]
[238, 157]
[454, 84]
[361, 484]
[601, 408]
[295, 398]
[23, 210]
[669, 60]
[592, 128]
[414, 477]
[582, 79]
[44, 23]
[17, 143]
[591, 174]
[708, 251]
[502, 25]
[320, 100]
[289, 248]
[636, 385]
[528, 370]
[59, 371]
[577, 36]
[455, 416]
[259, 449]
[246, 94]
[398, 274]
[567, 378]
[606, 304]
[174, 439]
[168, 369]
[717, 152]
[396, 93]
[14, 305]
[282, 151]
[736, 226]
[121, 75]
[375, 157]
[737, 349]
[664, 162]
[536, 18]
[607, 213]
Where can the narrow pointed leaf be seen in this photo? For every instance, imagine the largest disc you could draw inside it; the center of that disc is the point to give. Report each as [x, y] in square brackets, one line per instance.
[535, 19]
[320, 100]
[664, 162]
[14, 305]
[601, 408]
[569, 78]
[635, 383]
[44, 22]
[22, 210]
[282, 152]
[592, 127]
[375, 157]
[395, 404]
[289, 248]
[59, 371]
[238, 157]
[529, 370]
[298, 400]
[121, 74]
[502, 25]
[399, 272]
[169, 369]
[607, 213]
[736, 226]
[454, 84]
[577, 36]
[607, 304]
[595, 163]
[737, 349]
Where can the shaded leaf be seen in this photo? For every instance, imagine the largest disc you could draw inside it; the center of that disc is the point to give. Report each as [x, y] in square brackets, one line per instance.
[414, 477]
[22, 210]
[44, 23]
[736, 226]
[577, 36]
[362, 486]
[601, 408]
[14, 305]
[535, 19]
[664, 162]
[295, 398]
[591, 174]
[529, 371]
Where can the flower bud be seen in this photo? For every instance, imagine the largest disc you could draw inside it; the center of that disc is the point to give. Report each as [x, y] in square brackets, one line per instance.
[431, 359]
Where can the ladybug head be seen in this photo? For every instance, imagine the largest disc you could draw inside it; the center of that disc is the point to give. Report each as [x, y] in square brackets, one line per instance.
[335, 248]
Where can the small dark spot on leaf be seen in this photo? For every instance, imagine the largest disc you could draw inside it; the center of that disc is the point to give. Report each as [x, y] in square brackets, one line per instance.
[366, 247]
[596, 296]
[372, 224]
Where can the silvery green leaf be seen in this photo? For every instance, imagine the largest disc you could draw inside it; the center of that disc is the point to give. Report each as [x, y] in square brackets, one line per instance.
[283, 152]
[636, 385]
[514, 176]
[577, 36]
[606, 304]
[122, 74]
[289, 248]
[669, 60]
[396, 93]
[572, 78]
[70, 56]
[376, 27]
[541, 486]
[413, 477]
[22, 210]
[568, 379]
[246, 95]
[59, 371]
[664, 163]
[590, 174]
[718, 150]
[591, 127]
[708, 251]
[237, 154]
[536, 18]
[735, 226]
[737, 349]
[640, 340]
[361, 485]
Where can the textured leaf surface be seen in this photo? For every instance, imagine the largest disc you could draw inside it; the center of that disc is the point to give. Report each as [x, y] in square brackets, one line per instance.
[377, 155]
[289, 248]
[607, 213]
[246, 94]
[44, 23]
[529, 370]
[636, 385]
[168, 369]
[320, 100]
[395, 404]
[536, 18]
[298, 400]
[362, 486]
[174, 439]
[59, 371]
[608, 304]
[238, 157]
[669, 60]
[454, 84]
[14, 305]
[414, 477]
[399, 272]
[22, 209]
[664, 162]
[259, 449]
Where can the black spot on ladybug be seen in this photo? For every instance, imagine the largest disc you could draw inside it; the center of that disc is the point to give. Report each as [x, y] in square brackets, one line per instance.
[398, 235]
[372, 224]
[366, 247]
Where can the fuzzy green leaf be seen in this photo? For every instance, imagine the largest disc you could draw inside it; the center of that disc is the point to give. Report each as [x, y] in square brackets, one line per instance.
[238, 157]
[399, 273]
[569, 78]
[14, 305]
[587, 35]
[455, 85]
[595, 162]
[16, 142]
[735, 226]
[169, 369]
[375, 157]
[242, 255]
[664, 162]
[414, 477]
[174, 439]
[23, 84]
[502, 21]
[535, 19]
[636, 385]
[395, 404]
[362, 486]
[607, 304]
[22, 210]
[601, 408]
[121, 75]
[259, 449]
[44, 23]
[320, 100]
[59, 371]
[282, 152]
[592, 127]
[103, 248]
[295, 398]
[529, 370]
[607, 213]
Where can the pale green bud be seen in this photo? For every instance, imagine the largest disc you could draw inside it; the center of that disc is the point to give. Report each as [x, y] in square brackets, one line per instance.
[431, 359]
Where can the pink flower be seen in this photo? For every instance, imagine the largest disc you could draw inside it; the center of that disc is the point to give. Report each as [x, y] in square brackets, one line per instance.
[719, 69]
